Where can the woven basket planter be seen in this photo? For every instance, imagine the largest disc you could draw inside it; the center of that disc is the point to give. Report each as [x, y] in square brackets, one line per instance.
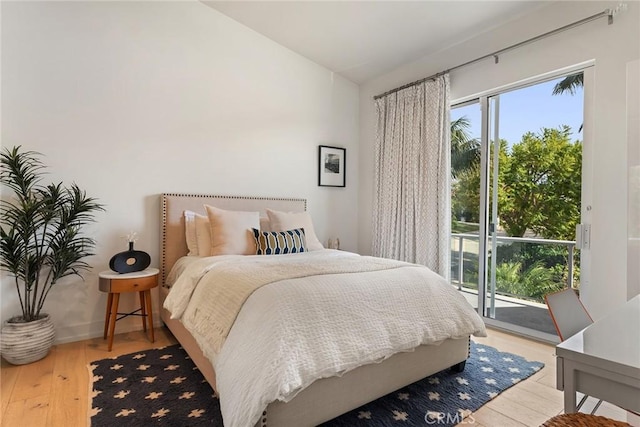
[26, 342]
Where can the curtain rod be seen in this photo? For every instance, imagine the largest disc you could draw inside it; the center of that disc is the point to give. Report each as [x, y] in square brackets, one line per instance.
[610, 13]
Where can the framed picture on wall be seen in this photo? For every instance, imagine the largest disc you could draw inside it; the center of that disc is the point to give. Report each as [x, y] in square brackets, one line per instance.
[331, 166]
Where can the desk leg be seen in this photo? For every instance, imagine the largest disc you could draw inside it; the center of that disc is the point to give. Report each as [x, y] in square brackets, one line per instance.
[106, 319]
[143, 311]
[147, 295]
[112, 321]
[569, 388]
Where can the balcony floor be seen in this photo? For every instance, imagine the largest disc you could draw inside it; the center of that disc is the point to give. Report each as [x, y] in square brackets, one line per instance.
[517, 312]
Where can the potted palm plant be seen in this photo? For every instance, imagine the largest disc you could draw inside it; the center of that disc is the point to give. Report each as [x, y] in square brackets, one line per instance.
[40, 243]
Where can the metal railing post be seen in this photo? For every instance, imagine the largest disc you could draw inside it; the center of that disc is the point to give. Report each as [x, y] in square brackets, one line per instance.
[570, 265]
[460, 261]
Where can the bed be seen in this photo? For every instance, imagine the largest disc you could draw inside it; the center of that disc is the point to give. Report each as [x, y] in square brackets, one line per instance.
[326, 397]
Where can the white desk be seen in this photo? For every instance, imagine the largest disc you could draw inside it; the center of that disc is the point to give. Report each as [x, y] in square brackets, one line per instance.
[603, 360]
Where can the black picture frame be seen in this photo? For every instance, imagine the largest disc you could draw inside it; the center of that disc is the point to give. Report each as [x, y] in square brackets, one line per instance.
[332, 162]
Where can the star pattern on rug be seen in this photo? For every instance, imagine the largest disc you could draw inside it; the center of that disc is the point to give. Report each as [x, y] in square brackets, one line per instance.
[364, 415]
[155, 387]
[446, 398]
[121, 394]
[178, 380]
[462, 381]
[186, 395]
[164, 387]
[160, 413]
[400, 416]
[196, 413]
[125, 412]
[153, 395]
[464, 396]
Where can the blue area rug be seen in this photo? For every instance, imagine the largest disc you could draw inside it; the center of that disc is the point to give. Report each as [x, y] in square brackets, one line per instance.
[163, 387]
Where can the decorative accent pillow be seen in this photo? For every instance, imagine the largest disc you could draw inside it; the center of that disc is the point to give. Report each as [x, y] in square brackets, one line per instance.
[203, 235]
[231, 231]
[190, 232]
[279, 242]
[283, 221]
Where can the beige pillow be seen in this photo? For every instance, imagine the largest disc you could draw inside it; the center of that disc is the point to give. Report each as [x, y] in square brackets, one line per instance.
[283, 221]
[232, 231]
[264, 224]
[203, 235]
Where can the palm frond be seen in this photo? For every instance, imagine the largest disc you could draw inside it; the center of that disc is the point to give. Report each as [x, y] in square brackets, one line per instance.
[40, 229]
[465, 150]
[569, 84]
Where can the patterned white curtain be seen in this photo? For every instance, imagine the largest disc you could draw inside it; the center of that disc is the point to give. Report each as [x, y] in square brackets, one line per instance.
[411, 215]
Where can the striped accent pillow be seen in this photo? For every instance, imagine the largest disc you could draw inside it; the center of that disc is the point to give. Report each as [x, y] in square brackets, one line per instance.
[280, 242]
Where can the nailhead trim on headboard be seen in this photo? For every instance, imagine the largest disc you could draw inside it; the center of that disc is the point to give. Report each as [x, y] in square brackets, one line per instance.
[163, 237]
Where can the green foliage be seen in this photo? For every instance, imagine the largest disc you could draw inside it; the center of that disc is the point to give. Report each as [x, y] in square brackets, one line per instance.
[40, 229]
[529, 258]
[541, 185]
[465, 151]
[465, 196]
[534, 282]
[465, 192]
[463, 227]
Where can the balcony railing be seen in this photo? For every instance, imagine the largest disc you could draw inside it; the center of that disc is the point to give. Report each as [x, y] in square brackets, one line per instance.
[462, 243]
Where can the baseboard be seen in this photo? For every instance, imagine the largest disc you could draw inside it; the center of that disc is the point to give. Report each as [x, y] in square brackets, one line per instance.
[84, 331]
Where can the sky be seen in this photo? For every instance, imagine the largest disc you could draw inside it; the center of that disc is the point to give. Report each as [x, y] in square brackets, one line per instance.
[529, 110]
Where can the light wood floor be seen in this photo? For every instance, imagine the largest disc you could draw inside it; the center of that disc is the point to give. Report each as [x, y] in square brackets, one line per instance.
[54, 391]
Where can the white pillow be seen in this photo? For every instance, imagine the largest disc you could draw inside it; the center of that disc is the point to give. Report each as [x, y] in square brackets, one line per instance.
[190, 232]
[283, 221]
[232, 231]
[203, 235]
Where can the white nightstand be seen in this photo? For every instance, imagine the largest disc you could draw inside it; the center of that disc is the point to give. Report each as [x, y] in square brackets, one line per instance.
[116, 283]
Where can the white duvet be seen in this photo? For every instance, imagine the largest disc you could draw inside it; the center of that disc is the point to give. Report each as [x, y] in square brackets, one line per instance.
[294, 331]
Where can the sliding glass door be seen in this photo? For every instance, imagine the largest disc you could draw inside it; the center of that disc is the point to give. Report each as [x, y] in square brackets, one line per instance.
[516, 200]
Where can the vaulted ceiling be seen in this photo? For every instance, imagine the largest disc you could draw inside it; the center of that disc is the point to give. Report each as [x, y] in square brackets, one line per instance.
[364, 39]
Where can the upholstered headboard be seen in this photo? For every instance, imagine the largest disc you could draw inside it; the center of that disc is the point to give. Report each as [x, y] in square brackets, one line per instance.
[173, 244]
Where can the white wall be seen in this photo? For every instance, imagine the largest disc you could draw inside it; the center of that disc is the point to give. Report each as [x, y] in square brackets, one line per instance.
[612, 47]
[633, 149]
[132, 99]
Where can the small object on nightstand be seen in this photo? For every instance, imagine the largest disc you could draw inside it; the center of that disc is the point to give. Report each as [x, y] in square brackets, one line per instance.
[115, 283]
[131, 260]
[333, 244]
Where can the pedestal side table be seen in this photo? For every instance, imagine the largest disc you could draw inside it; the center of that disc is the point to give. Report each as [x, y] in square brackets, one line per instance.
[116, 283]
